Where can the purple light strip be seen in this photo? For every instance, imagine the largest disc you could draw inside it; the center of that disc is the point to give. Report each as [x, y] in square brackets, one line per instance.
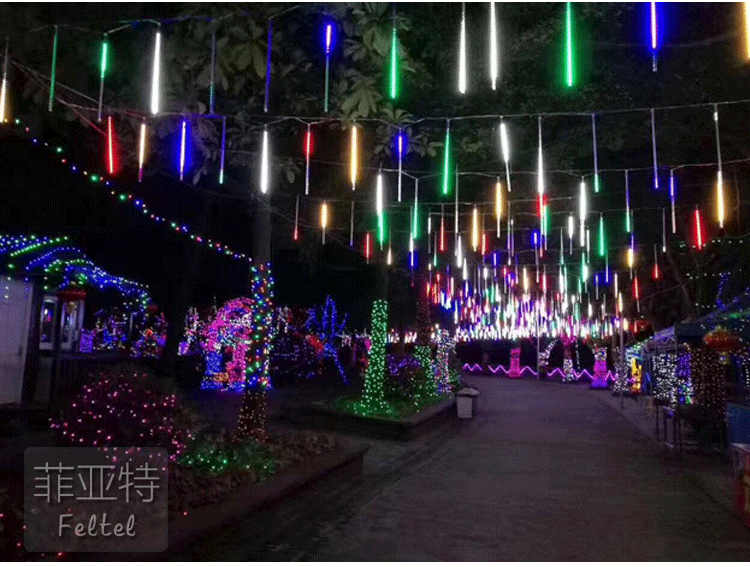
[557, 371]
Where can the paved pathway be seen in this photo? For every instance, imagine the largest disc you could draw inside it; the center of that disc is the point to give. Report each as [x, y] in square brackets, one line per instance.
[545, 472]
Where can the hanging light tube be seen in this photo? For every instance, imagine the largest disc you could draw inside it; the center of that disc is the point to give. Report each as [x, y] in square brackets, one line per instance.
[569, 78]
[653, 147]
[505, 150]
[141, 151]
[719, 173]
[698, 230]
[654, 36]
[328, 44]
[494, 55]
[415, 218]
[602, 237]
[656, 264]
[393, 86]
[296, 219]
[156, 72]
[53, 72]
[102, 73]
[379, 208]
[353, 157]
[400, 144]
[596, 155]
[672, 201]
[446, 160]
[628, 227]
[475, 229]
[183, 143]
[351, 226]
[462, 67]
[663, 231]
[265, 175]
[110, 146]
[582, 211]
[498, 204]
[223, 149]
[323, 219]
[308, 153]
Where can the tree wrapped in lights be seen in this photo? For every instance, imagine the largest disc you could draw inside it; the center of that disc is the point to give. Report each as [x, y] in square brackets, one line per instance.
[443, 376]
[423, 346]
[192, 333]
[373, 397]
[252, 419]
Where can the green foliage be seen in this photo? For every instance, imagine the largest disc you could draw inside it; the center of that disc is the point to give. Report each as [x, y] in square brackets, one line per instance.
[221, 453]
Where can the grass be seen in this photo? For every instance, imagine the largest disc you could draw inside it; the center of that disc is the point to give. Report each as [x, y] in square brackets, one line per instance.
[393, 409]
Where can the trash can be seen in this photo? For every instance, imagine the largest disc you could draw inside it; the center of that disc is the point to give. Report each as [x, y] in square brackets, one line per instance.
[465, 401]
[741, 462]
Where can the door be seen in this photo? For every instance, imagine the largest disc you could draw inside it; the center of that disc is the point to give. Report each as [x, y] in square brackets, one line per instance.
[15, 306]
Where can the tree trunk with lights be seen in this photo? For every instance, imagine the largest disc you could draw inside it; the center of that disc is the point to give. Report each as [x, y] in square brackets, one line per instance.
[252, 418]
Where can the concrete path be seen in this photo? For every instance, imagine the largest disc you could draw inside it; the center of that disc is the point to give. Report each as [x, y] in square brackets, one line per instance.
[545, 472]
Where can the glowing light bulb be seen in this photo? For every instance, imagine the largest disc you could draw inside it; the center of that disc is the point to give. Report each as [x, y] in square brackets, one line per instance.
[265, 175]
[462, 67]
[631, 257]
[389, 257]
[156, 73]
[571, 227]
[353, 158]
[720, 199]
[494, 56]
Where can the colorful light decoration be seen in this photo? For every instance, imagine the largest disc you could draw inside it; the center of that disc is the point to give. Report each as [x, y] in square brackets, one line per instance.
[53, 72]
[569, 55]
[353, 157]
[400, 148]
[719, 173]
[602, 237]
[475, 229]
[447, 161]
[698, 230]
[223, 149]
[265, 174]
[373, 397]
[296, 219]
[328, 43]
[746, 20]
[498, 204]
[672, 201]
[380, 207]
[393, 83]
[494, 55]
[628, 226]
[654, 36]
[102, 73]
[653, 147]
[156, 73]
[368, 247]
[323, 219]
[4, 87]
[582, 211]
[183, 143]
[505, 151]
[596, 155]
[141, 150]
[110, 146]
[308, 153]
[462, 65]
[656, 273]
[415, 218]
